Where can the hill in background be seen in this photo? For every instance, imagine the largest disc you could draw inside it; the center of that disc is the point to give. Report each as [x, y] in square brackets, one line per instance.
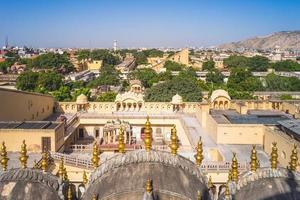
[284, 39]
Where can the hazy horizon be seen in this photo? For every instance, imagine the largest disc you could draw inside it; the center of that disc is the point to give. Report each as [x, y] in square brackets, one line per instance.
[95, 24]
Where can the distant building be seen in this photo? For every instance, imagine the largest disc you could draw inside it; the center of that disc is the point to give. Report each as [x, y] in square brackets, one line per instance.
[181, 57]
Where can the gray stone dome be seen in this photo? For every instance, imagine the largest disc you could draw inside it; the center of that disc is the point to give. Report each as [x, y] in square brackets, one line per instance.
[267, 184]
[27, 184]
[124, 177]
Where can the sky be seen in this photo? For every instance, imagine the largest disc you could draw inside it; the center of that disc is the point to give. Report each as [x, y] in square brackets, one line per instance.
[142, 23]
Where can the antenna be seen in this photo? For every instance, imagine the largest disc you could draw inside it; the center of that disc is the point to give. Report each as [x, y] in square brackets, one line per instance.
[115, 46]
[6, 42]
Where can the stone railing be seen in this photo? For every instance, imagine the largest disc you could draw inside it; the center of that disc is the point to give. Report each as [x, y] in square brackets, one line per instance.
[206, 166]
[72, 160]
[221, 166]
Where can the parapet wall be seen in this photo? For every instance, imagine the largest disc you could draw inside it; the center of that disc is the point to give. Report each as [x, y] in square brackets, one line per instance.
[111, 107]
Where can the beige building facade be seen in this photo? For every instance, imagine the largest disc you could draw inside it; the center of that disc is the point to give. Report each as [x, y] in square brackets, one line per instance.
[24, 106]
[39, 136]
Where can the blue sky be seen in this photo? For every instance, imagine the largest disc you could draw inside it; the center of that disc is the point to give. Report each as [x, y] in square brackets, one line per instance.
[142, 23]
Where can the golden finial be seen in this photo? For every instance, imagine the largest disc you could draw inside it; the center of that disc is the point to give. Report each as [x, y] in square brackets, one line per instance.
[274, 156]
[121, 141]
[94, 197]
[199, 155]
[174, 143]
[148, 135]
[44, 163]
[227, 192]
[66, 178]
[61, 169]
[69, 193]
[199, 196]
[294, 159]
[4, 158]
[254, 161]
[84, 177]
[234, 168]
[229, 175]
[209, 183]
[23, 155]
[148, 186]
[95, 157]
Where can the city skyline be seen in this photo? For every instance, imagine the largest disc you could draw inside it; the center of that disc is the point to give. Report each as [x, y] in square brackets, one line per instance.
[96, 24]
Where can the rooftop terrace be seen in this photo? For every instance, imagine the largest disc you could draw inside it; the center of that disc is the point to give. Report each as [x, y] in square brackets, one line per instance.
[29, 125]
[267, 117]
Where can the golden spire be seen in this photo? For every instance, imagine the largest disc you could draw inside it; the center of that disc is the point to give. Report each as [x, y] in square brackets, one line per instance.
[61, 169]
[95, 157]
[209, 183]
[199, 196]
[84, 177]
[69, 193]
[148, 186]
[174, 143]
[44, 164]
[199, 155]
[66, 178]
[4, 158]
[274, 156]
[294, 159]
[23, 155]
[227, 192]
[148, 135]
[229, 175]
[94, 197]
[121, 141]
[254, 161]
[234, 168]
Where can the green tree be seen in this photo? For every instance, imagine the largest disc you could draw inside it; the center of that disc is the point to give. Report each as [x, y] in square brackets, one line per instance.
[173, 66]
[241, 79]
[258, 63]
[234, 94]
[146, 76]
[286, 97]
[164, 76]
[83, 54]
[4, 66]
[236, 61]
[58, 62]
[62, 94]
[163, 92]
[107, 97]
[104, 54]
[153, 53]
[108, 76]
[208, 65]
[79, 91]
[287, 65]
[215, 77]
[27, 81]
[50, 81]
[141, 58]
[276, 83]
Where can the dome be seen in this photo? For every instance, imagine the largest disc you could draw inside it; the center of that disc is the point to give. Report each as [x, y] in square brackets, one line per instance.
[219, 93]
[177, 100]
[268, 184]
[20, 184]
[82, 99]
[124, 176]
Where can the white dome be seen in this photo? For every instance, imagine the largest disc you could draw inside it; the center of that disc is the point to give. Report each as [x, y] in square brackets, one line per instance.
[219, 93]
[82, 99]
[177, 99]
